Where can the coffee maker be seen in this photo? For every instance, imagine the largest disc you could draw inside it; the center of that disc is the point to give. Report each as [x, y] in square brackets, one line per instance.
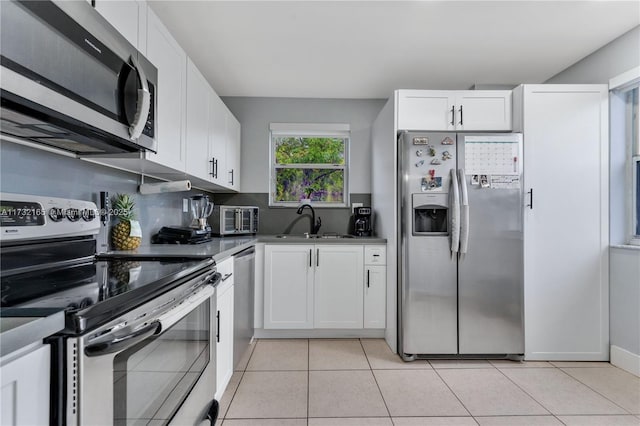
[362, 222]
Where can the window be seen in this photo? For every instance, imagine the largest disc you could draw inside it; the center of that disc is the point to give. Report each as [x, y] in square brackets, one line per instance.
[309, 161]
[625, 133]
[633, 129]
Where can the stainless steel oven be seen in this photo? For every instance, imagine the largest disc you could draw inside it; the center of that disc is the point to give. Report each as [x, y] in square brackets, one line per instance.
[234, 220]
[70, 81]
[142, 366]
[138, 344]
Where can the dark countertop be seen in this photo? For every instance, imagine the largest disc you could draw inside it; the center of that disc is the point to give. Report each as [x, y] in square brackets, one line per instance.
[19, 328]
[224, 247]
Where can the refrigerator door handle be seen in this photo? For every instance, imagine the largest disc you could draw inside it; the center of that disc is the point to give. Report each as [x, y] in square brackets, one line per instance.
[464, 213]
[455, 213]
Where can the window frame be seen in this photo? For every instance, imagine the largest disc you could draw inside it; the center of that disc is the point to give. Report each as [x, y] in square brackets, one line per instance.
[318, 130]
[621, 86]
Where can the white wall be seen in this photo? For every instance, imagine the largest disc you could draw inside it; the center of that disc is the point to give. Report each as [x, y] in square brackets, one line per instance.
[620, 55]
[255, 114]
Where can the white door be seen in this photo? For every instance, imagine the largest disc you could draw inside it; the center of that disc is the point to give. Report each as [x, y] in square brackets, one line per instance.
[171, 61]
[479, 110]
[566, 228]
[338, 286]
[224, 345]
[375, 290]
[426, 110]
[288, 286]
[197, 119]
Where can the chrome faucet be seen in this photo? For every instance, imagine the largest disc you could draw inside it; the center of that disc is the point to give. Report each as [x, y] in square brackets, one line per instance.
[315, 226]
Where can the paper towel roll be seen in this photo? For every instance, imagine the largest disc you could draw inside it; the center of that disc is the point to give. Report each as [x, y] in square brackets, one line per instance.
[156, 188]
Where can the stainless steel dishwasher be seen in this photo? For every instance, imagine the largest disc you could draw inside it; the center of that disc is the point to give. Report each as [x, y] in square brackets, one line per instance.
[243, 264]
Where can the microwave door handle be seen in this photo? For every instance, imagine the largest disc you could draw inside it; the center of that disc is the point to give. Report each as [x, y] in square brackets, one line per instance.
[238, 219]
[122, 342]
[142, 105]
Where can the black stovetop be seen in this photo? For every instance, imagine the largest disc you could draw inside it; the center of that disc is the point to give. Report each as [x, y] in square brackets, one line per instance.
[96, 290]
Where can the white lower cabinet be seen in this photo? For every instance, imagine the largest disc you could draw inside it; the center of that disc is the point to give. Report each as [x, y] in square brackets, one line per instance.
[224, 327]
[322, 286]
[288, 286]
[375, 290]
[25, 388]
[338, 287]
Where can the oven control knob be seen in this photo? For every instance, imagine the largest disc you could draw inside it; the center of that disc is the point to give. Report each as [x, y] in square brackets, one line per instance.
[73, 215]
[88, 215]
[56, 214]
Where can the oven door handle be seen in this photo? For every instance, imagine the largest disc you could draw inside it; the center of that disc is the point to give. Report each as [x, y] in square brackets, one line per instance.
[121, 342]
[180, 311]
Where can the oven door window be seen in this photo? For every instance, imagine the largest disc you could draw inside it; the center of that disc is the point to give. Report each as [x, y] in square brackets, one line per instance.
[152, 379]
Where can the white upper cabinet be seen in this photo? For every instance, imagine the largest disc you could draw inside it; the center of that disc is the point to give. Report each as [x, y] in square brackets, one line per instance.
[479, 110]
[129, 17]
[198, 126]
[218, 139]
[454, 110]
[170, 60]
[232, 152]
[426, 110]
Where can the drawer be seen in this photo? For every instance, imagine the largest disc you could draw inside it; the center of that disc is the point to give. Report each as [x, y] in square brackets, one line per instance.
[225, 268]
[375, 255]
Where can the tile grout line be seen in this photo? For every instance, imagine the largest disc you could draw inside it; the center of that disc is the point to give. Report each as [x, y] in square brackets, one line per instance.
[451, 390]
[529, 395]
[243, 371]
[375, 379]
[595, 391]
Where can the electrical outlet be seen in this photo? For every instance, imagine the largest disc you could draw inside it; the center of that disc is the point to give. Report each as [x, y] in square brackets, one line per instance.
[185, 205]
[354, 205]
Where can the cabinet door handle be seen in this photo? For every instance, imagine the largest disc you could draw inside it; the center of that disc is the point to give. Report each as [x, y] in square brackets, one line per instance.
[368, 270]
[310, 254]
[453, 115]
[218, 327]
[231, 182]
[216, 169]
[226, 277]
[530, 205]
[213, 166]
[317, 257]
[461, 115]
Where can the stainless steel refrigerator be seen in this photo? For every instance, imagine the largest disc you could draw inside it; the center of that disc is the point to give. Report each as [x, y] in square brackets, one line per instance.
[461, 246]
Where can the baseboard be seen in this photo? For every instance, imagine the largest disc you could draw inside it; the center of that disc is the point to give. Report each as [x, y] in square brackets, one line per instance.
[261, 333]
[626, 360]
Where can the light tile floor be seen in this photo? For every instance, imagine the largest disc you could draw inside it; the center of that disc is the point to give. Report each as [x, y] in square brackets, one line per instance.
[360, 382]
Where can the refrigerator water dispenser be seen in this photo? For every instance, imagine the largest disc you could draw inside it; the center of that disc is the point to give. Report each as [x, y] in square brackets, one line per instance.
[430, 214]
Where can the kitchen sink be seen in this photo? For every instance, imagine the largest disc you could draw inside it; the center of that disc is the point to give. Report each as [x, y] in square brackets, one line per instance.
[314, 236]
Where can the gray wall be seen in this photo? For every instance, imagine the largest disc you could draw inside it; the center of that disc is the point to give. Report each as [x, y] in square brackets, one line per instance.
[621, 55]
[611, 60]
[27, 170]
[256, 114]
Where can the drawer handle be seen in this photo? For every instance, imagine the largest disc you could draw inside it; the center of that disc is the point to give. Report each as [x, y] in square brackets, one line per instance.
[226, 277]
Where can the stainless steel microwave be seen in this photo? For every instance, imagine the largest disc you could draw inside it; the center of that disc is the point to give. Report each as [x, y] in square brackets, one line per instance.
[71, 81]
[234, 220]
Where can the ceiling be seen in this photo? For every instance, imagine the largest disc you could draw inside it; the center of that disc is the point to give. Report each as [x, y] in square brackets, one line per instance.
[366, 49]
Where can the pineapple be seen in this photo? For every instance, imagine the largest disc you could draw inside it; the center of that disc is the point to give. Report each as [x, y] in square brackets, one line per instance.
[121, 233]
